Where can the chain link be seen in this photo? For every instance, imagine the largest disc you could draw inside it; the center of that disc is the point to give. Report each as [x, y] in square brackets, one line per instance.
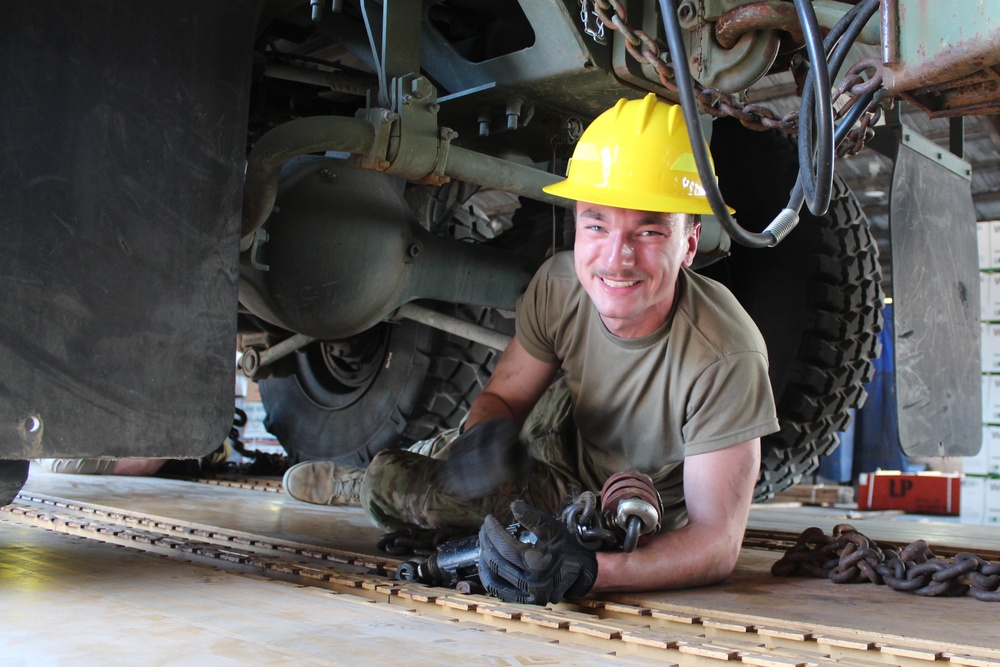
[591, 24]
[847, 557]
[716, 103]
[583, 518]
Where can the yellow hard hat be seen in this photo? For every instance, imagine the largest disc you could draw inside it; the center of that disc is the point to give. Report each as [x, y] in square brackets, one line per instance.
[636, 155]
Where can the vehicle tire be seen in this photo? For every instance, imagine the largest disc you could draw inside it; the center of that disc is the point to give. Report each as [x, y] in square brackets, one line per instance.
[816, 298]
[387, 387]
[13, 475]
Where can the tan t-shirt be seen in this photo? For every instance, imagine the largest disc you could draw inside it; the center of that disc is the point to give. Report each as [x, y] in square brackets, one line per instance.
[696, 385]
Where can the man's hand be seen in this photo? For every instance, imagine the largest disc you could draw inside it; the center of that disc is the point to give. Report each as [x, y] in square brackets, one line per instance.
[482, 458]
[554, 567]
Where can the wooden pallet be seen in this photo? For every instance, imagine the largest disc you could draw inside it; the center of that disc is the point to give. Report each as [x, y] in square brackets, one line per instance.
[816, 494]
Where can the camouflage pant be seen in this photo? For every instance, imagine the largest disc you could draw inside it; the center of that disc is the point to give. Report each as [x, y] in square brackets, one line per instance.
[399, 489]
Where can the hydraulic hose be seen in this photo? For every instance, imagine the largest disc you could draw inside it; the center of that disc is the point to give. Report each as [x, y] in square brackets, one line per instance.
[838, 43]
[846, 123]
[853, 23]
[848, 28]
[815, 159]
[786, 219]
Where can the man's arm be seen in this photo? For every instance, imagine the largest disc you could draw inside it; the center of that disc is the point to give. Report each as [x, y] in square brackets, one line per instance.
[518, 381]
[718, 490]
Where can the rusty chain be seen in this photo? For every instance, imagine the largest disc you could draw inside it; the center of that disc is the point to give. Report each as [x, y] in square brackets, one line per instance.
[716, 103]
[596, 519]
[847, 557]
[583, 518]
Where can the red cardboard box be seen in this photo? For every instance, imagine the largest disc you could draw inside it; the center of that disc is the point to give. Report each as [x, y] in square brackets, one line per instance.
[923, 493]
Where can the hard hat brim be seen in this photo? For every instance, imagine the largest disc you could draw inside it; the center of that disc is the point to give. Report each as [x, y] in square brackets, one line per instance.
[634, 200]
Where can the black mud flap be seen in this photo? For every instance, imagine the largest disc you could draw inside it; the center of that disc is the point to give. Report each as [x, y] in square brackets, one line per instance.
[123, 135]
[935, 273]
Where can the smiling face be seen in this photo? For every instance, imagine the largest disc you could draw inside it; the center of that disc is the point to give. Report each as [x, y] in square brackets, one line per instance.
[628, 262]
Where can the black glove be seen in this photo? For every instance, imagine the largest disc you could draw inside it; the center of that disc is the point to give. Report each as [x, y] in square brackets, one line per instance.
[485, 456]
[554, 567]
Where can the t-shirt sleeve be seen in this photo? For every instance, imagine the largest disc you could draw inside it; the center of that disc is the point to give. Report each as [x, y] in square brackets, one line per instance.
[532, 320]
[730, 402]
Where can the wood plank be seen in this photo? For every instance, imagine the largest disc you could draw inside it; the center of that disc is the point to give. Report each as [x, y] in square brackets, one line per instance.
[653, 638]
[457, 602]
[595, 629]
[313, 573]
[706, 650]
[345, 580]
[631, 609]
[910, 652]
[499, 611]
[766, 660]
[971, 660]
[589, 603]
[544, 620]
[722, 624]
[845, 642]
[816, 494]
[784, 633]
[795, 654]
[676, 617]
[417, 592]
